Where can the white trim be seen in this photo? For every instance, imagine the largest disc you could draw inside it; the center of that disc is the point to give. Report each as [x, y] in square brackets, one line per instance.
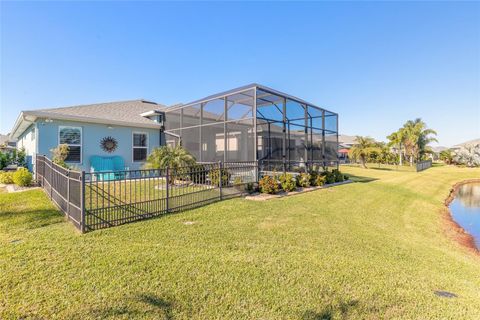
[146, 147]
[74, 145]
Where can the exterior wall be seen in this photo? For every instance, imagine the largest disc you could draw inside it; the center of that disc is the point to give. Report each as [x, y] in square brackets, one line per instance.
[28, 141]
[92, 134]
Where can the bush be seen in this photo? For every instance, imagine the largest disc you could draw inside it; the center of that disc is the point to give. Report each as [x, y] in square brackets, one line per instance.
[251, 187]
[303, 180]
[60, 154]
[313, 178]
[345, 177]
[268, 185]
[214, 176]
[338, 175]
[320, 181]
[22, 177]
[329, 176]
[6, 177]
[287, 182]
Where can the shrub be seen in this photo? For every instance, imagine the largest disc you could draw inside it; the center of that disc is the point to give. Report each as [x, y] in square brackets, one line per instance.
[313, 178]
[198, 173]
[3, 160]
[329, 176]
[345, 177]
[214, 176]
[251, 187]
[338, 175]
[22, 177]
[303, 180]
[6, 177]
[320, 181]
[268, 185]
[60, 154]
[287, 182]
[20, 156]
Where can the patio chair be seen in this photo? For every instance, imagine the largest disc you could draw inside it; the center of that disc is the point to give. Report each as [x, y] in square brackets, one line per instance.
[104, 168]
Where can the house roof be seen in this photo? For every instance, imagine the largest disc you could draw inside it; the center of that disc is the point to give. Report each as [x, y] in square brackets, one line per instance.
[124, 113]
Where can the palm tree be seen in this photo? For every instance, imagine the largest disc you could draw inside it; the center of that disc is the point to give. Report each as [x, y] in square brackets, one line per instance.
[417, 137]
[172, 157]
[363, 147]
[397, 140]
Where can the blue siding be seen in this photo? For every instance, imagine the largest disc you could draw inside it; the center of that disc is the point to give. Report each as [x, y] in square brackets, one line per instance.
[92, 134]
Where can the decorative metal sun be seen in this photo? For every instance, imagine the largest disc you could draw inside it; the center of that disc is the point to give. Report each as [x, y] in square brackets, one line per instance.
[109, 144]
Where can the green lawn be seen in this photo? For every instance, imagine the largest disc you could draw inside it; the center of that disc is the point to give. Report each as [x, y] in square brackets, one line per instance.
[373, 249]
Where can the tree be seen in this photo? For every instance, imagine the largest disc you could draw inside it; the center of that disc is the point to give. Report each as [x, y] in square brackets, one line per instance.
[363, 147]
[167, 156]
[468, 155]
[415, 137]
[397, 140]
[446, 156]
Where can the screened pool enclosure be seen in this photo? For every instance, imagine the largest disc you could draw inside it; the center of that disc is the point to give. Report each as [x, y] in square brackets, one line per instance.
[255, 123]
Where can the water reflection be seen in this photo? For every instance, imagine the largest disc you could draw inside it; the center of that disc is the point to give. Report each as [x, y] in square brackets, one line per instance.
[469, 195]
[465, 209]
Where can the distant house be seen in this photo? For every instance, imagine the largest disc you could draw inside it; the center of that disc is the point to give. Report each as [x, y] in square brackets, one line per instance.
[7, 144]
[130, 129]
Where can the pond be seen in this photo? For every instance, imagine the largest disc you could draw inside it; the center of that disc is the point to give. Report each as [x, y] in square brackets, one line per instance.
[465, 209]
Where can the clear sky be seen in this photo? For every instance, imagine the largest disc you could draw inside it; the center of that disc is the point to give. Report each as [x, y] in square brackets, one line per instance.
[376, 64]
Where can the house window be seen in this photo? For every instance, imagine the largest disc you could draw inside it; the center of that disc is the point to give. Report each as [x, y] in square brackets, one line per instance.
[71, 136]
[140, 146]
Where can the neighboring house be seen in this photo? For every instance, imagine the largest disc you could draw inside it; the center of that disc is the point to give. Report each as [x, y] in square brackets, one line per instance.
[130, 129]
[7, 144]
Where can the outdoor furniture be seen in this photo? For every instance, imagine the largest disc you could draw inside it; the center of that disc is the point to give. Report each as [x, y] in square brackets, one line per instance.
[107, 168]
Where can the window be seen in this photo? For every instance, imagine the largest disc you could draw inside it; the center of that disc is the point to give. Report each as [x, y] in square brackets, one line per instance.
[140, 146]
[71, 136]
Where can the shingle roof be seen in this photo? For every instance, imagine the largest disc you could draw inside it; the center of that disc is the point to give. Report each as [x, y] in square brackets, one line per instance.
[120, 111]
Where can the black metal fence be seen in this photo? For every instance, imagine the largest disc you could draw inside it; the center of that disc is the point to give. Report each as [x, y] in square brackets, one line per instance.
[423, 165]
[99, 200]
[63, 186]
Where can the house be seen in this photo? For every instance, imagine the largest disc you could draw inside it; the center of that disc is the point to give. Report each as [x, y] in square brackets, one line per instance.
[7, 144]
[246, 124]
[130, 129]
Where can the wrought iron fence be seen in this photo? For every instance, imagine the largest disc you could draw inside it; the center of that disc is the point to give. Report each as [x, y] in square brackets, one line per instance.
[63, 186]
[97, 200]
[423, 165]
[104, 199]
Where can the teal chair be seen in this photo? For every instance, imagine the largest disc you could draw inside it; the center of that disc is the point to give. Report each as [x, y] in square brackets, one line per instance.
[104, 168]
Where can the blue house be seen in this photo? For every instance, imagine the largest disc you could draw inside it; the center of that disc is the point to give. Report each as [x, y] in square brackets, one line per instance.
[129, 129]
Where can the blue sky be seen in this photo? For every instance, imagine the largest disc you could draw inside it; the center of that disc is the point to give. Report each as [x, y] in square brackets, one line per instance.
[376, 64]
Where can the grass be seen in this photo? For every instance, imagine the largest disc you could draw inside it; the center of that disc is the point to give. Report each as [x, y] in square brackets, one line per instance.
[380, 166]
[373, 249]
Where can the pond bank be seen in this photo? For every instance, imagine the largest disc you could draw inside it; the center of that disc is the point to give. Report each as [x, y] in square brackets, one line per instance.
[454, 230]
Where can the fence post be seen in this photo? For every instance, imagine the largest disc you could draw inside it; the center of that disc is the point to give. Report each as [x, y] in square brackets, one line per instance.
[68, 194]
[220, 178]
[51, 179]
[82, 203]
[167, 185]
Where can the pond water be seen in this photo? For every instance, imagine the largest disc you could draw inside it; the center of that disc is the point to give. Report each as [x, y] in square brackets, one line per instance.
[465, 209]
